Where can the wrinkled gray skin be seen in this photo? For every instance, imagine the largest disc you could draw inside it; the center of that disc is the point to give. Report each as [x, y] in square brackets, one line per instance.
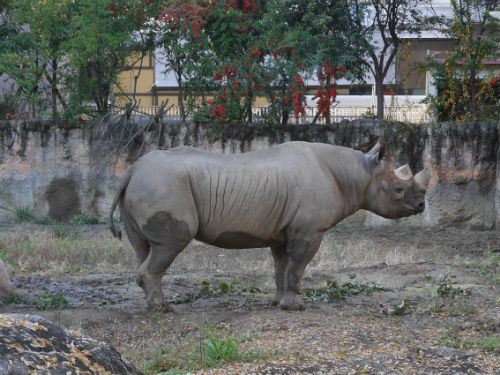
[284, 198]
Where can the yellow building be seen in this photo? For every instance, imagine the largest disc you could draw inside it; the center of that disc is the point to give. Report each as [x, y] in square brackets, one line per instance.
[152, 86]
[141, 82]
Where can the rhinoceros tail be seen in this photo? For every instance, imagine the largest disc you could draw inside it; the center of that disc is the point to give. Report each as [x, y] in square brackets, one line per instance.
[123, 185]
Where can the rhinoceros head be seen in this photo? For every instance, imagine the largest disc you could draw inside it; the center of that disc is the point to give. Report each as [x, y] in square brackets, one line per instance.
[395, 193]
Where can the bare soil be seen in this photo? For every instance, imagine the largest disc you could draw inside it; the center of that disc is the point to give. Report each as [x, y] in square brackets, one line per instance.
[408, 327]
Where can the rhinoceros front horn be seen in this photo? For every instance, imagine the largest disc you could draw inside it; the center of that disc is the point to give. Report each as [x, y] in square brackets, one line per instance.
[404, 172]
[423, 177]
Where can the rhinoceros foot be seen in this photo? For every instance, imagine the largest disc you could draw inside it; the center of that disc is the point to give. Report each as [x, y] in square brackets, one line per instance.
[291, 303]
[278, 296]
[161, 307]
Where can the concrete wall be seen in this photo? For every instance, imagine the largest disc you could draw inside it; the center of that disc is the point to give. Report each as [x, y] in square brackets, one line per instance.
[58, 171]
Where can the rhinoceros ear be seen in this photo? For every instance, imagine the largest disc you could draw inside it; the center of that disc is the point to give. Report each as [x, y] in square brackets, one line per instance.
[424, 176]
[403, 172]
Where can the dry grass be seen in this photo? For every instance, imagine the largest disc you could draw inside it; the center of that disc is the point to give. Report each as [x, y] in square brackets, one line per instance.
[45, 250]
[34, 249]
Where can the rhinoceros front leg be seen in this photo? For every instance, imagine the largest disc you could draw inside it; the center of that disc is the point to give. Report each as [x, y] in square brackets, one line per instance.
[280, 261]
[301, 250]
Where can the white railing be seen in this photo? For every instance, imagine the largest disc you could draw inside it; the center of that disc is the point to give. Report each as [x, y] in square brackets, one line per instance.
[415, 114]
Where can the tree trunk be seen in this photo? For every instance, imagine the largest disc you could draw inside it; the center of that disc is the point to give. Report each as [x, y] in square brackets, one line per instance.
[53, 86]
[248, 109]
[180, 100]
[379, 92]
[178, 71]
[328, 116]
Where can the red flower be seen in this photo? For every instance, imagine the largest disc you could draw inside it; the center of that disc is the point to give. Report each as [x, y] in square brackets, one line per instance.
[218, 112]
[255, 52]
[493, 81]
[196, 28]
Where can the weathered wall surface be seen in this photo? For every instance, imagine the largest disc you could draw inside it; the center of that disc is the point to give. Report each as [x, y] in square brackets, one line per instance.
[59, 171]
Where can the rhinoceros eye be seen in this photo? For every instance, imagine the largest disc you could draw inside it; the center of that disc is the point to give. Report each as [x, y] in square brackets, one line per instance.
[399, 190]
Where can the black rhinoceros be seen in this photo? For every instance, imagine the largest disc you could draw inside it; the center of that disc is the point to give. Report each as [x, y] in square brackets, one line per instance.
[284, 198]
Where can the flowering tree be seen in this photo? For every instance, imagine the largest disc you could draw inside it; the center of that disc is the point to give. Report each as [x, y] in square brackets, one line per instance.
[232, 29]
[310, 38]
[327, 91]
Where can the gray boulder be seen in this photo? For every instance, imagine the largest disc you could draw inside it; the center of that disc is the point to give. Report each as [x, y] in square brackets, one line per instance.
[31, 344]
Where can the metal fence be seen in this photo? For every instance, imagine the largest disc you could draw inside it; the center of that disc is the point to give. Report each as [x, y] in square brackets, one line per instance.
[415, 114]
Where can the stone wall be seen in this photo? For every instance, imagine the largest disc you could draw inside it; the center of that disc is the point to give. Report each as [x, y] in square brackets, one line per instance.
[59, 171]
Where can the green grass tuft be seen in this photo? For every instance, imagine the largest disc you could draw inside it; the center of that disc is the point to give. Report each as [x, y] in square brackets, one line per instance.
[25, 215]
[50, 301]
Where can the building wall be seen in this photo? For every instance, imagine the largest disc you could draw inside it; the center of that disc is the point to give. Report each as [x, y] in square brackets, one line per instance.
[408, 72]
[126, 82]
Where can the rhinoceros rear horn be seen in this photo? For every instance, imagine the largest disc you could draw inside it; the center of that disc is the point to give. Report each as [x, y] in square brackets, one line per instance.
[424, 176]
[377, 152]
[404, 172]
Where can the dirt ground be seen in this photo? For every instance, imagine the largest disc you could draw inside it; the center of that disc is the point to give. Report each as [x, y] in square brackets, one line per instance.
[435, 308]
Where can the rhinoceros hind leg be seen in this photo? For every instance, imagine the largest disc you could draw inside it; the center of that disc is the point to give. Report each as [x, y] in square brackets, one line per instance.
[150, 274]
[168, 237]
[280, 260]
[301, 250]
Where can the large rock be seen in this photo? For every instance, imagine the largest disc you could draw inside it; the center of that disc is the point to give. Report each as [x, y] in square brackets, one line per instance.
[6, 288]
[32, 345]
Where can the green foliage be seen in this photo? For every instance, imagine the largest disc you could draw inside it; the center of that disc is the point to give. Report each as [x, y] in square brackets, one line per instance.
[379, 25]
[50, 301]
[331, 291]
[8, 107]
[25, 215]
[216, 350]
[83, 218]
[15, 298]
[7, 259]
[63, 54]
[212, 348]
[445, 289]
[5, 4]
[64, 230]
[485, 343]
[235, 52]
[208, 290]
[402, 307]
[491, 270]
[463, 93]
